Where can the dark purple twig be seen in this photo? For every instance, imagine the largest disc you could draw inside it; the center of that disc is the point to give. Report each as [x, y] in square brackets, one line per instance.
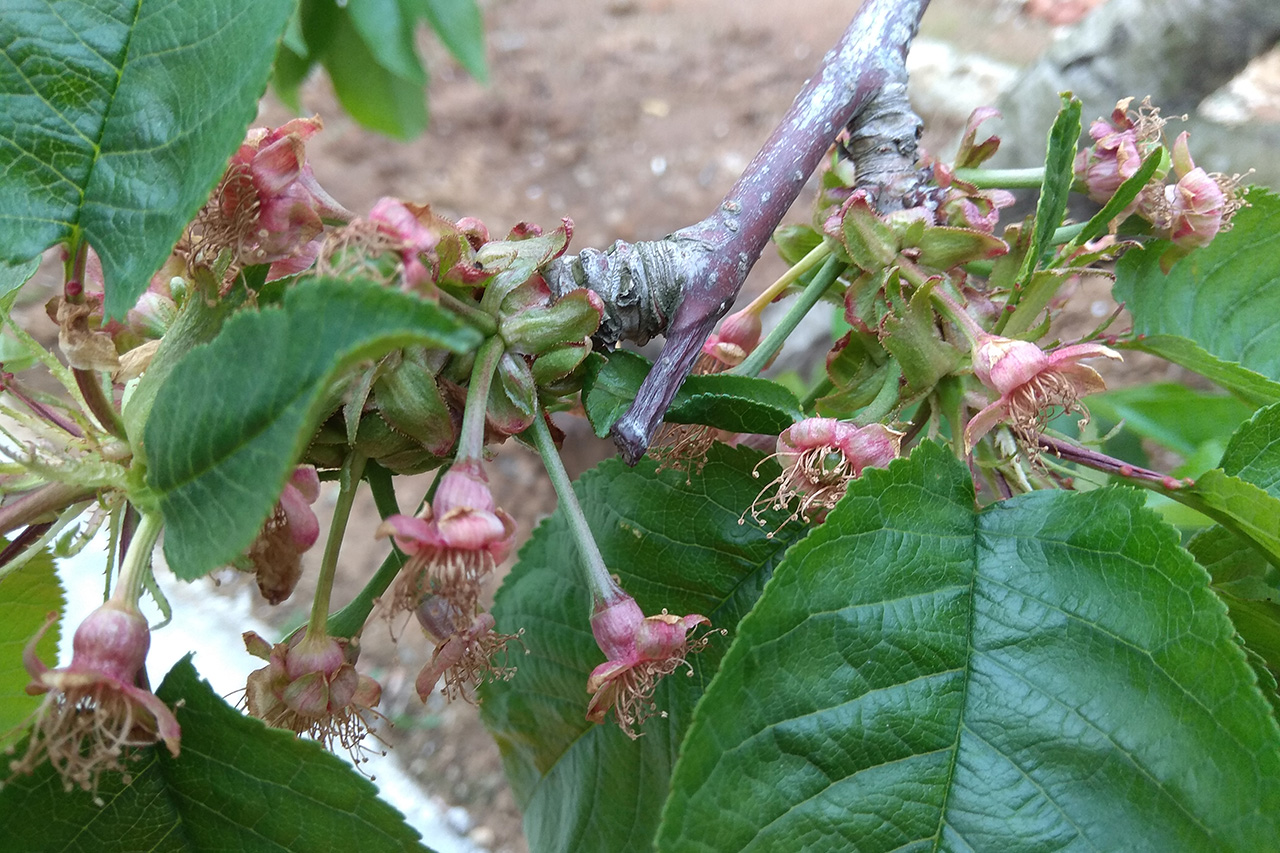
[1110, 465]
[683, 285]
[51, 497]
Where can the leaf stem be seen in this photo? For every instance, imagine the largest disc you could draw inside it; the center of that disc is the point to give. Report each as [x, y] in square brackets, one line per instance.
[348, 481]
[51, 497]
[604, 590]
[761, 355]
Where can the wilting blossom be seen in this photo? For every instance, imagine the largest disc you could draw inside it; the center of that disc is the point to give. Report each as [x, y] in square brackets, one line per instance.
[410, 238]
[310, 686]
[291, 529]
[1199, 206]
[819, 458]
[94, 711]
[457, 540]
[640, 650]
[466, 649]
[1030, 382]
[269, 208]
[1118, 149]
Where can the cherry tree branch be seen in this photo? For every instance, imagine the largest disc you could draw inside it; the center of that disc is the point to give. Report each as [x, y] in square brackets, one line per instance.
[682, 285]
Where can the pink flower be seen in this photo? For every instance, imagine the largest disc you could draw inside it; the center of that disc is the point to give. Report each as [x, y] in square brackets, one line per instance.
[640, 650]
[819, 458]
[291, 529]
[1119, 148]
[271, 202]
[465, 649]
[411, 238]
[1030, 382]
[454, 543]
[739, 335]
[1199, 205]
[310, 686]
[94, 710]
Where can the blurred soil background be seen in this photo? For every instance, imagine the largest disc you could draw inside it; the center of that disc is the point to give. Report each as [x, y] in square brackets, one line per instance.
[632, 118]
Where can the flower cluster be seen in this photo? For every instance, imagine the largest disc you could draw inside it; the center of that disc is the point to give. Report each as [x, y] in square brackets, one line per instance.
[310, 686]
[268, 208]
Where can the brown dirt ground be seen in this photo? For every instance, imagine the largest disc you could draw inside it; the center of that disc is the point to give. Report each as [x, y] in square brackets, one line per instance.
[632, 117]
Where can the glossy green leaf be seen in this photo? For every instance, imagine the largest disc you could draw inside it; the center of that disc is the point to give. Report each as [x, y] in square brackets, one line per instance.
[460, 27]
[1052, 673]
[236, 414]
[675, 542]
[27, 596]
[119, 120]
[1253, 454]
[13, 276]
[1244, 579]
[1056, 187]
[1248, 385]
[1239, 506]
[1180, 418]
[1224, 298]
[733, 403]
[1124, 195]
[237, 786]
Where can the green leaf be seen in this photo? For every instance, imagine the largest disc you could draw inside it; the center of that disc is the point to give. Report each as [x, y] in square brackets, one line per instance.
[675, 543]
[237, 786]
[12, 277]
[1174, 415]
[119, 119]
[236, 414]
[27, 596]
[460, 27]
[1056, 187]
[374, 96]
[1239, 506]
[1241, 575]
[1124, 195]
[389, 34]
[1051, 673]
[1253, 454]
[733, 403]
[1252, 387]
[1225, 297]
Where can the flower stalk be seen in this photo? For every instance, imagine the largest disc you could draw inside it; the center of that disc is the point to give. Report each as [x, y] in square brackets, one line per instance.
[348, 481]
[773, 342]
[604, 590]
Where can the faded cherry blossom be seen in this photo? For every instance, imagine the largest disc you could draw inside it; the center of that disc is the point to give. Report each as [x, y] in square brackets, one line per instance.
[94, 712]
[1030, 382]
[639, 651]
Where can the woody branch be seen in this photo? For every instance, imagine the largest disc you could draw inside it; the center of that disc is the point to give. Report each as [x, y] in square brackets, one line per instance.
[682, 285]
